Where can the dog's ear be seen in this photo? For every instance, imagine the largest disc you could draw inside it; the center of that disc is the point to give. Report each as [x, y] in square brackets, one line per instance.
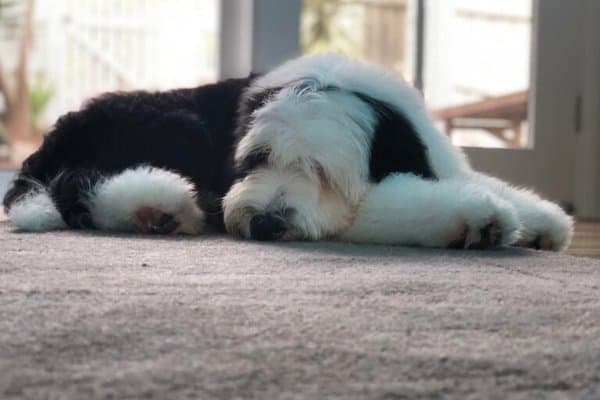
[256, 158]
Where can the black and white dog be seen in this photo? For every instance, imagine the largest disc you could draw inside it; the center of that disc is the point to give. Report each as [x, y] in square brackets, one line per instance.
[321, 147]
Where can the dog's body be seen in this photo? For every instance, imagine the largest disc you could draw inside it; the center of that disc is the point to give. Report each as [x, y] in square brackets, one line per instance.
[322, 147]
[190, 131]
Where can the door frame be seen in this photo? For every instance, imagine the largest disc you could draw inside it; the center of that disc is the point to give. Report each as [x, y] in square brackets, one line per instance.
[587, 150]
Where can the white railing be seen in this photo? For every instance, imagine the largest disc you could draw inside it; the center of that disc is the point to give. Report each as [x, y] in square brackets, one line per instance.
[86, 47]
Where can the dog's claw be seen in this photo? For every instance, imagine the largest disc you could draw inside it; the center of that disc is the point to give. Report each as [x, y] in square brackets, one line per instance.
[490, 236]
[540, 242]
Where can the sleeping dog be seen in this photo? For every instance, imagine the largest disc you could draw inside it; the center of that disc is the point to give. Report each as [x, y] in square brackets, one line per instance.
[322, 147]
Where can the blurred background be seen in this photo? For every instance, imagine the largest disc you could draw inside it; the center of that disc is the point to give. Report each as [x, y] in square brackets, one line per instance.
[479, 99]
[516, 82]
[56, 54]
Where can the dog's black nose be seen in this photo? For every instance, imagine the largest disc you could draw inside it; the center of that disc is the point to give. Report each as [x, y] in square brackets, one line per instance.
[266, 227]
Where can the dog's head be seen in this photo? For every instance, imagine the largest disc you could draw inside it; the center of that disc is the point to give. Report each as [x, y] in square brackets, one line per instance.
[305, 135]
[302, 163]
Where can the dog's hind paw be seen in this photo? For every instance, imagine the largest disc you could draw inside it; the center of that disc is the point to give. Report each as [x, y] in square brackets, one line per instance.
[540, 242]
[545, 227]
[486, 237]
[152, 220]
[148, 200]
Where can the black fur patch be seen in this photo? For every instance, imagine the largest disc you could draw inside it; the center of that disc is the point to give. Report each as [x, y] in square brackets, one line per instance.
[248, 105]
[21, 186]
[69, 191]
[396, 146]
[187, 131]
[251, 162]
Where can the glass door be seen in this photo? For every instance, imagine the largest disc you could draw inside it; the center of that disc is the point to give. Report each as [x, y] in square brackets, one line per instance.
[544, 155]
[477, 63]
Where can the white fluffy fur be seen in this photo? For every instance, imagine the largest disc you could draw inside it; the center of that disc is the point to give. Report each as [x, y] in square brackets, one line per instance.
[319, 142]
[406, 209]
[325, 132]
[319, 211]
[36, 212]
[324, 135]
[538, 217]
[114, 201]
[334, 70]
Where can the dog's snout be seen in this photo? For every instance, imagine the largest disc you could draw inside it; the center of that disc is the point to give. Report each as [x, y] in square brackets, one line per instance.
[266, 227]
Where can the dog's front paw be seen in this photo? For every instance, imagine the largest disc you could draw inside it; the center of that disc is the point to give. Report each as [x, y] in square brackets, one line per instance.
[545, 227]
[471, 237]
[543, 241]
[486, 222]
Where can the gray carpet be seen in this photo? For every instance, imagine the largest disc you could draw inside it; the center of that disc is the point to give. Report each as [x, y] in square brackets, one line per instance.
[85, 316]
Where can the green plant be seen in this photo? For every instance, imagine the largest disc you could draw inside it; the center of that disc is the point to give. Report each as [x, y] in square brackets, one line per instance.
[321, 30]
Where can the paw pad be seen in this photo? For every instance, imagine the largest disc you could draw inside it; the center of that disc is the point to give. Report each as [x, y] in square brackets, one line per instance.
[152, 220]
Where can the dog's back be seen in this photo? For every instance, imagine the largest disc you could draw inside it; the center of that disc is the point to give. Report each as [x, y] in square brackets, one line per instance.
[187, 131]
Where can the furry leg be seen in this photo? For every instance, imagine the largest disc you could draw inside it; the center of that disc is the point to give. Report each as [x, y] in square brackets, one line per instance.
[142, 199]
[35, 211]
[146, 199]
[405, 209]
[545, 225]
[70, 192]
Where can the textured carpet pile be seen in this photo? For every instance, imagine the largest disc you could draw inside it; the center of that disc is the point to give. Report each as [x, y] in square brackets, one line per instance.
[88, 316]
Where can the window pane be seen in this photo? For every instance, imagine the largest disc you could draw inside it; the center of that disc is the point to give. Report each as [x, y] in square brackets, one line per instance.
[477, 63]
[80, 48]
[379, 31]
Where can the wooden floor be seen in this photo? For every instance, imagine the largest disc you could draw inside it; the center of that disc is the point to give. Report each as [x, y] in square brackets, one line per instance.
[586, 241]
